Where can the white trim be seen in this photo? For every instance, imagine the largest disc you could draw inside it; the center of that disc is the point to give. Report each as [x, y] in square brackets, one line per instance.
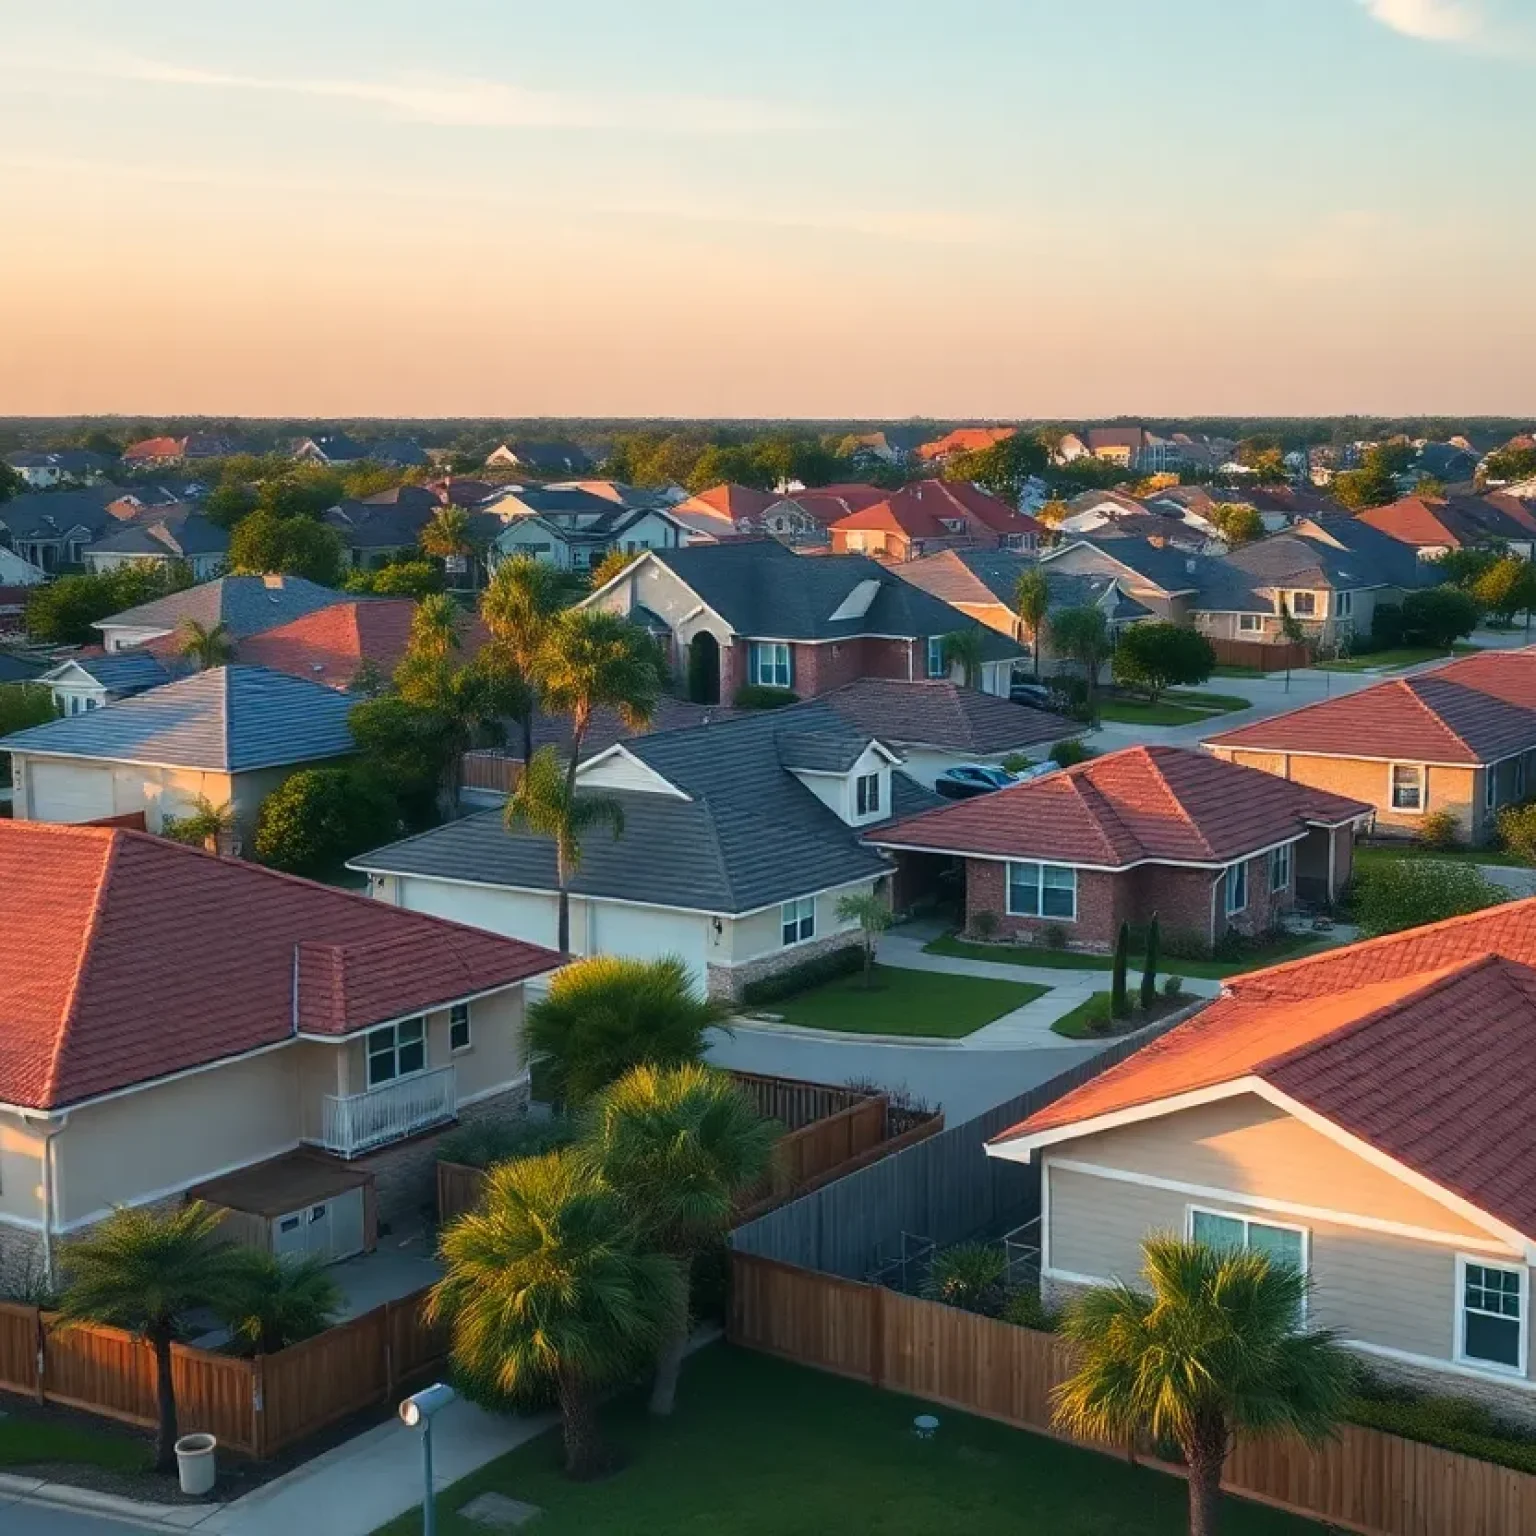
[1191, 1211]
[618, 749]
[1106, 869]
[1407, 810]
[1045, 1216]
[1320, 1213]
[1433, 1363]
[1459, 1319]
[523, 1079]
[1071, 1277]
[1040, 915]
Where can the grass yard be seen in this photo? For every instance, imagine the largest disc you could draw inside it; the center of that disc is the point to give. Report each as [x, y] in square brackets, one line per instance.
[1367, 858]
[1247, 673]
[1403, 656]
[1289, 948]
[1179, 708]
[762, 1448]
[1081, 1023]
[37, 1442]
[904, 1002]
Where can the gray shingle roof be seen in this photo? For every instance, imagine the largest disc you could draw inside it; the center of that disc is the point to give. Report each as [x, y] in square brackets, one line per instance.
[821, 751]
[19, 669]
[247, 605]
[229, 719]
[942, 714]
[50, 514]
[124, 671]
[973, 575]
[167, 534]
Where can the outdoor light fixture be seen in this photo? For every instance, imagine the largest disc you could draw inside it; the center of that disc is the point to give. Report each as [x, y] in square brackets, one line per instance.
[417, 1412]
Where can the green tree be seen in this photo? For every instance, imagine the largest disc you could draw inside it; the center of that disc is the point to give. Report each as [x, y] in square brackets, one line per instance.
[271, 1303]
[267, 543]
[1082, 636]
[1440, 616]
[1237, 522]
[1209, 1352]
[872, 912]
[1149, 970]
[408, 578]
[1507, 587]
[964, 648]
[208, 645]
[1466, 567]
[62, 612]
[732, 463]
[1151, 658]
[22, 705]
[1004, 468]
[519, 608]
[1119, 993]
[1054, 513]
[614, 563]
[148, 1273]
[1406, 893]
[301, 490]
[551, 1284]
[318, 818]
[204, 828]
[450, 537]
[1508, 464]
[1374, 483]
[607, 1014]
[408, 747]
[681, 1145]
[228, 502]
[1032, 602]
[11, 484]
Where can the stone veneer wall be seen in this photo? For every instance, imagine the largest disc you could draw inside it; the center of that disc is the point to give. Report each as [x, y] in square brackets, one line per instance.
[726, 981]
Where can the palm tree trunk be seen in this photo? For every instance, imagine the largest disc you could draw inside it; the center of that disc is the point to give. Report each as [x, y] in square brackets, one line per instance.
[674, 1347]
[869, 964]
[563, 879]
[527, 724]
[165, 1405]
[583, 1447]
[579, 722]
[1205, 1459]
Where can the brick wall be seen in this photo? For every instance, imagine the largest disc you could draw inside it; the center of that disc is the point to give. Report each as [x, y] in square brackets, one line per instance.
[819, 669]
[1104, 901]
[1180, 897]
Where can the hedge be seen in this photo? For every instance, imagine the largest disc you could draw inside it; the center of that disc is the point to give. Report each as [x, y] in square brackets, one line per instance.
[809, 973]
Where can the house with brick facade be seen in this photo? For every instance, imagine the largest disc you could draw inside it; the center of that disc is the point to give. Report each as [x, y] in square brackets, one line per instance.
[1362, 1114]
[1209, 849]
[1460, 738]
[752, 613]
[930, 515]
[172, 1017]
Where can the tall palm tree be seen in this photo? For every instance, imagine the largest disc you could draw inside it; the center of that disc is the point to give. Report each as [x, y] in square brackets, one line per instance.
[518, 607]
[964, 649]
[1032, 599]
[275, 1302]
[546, 804]
[606, 1014]
[146, 1273]
[1210, 1351]
[549, 1282]
[680, 1144]
[1082, 635]
[209, 645]
[450, 535]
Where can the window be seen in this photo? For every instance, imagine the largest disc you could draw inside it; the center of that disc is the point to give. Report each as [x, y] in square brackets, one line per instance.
[1250, 623]
[797, 920]
[396, 1050]
[1280, 868]
[770, 664]
[936, 667]
[1284, 1245]
[867, 791]
[1304, 604]
[1042, 890]
[1344, 605]
[1491, 787]
[1407, 786]
[1237, 887]
[458, 1027]
[1491, 1316]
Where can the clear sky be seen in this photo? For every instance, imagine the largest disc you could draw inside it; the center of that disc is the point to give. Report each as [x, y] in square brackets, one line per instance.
[803, 207]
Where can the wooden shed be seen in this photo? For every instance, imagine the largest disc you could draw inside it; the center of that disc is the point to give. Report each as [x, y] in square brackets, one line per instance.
[303, 1204]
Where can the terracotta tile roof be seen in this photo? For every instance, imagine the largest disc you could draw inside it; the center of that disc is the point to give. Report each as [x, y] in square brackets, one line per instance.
[1145, 804]
[129, 958]
[1414, 521]
[1475, 710]
[919, 510]
[963, 440]
[156, 448]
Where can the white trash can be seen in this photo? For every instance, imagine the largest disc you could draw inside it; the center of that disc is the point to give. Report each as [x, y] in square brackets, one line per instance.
[195, 1462]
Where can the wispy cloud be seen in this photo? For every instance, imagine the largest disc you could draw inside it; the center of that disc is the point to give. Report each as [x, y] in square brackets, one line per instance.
[1433, 21]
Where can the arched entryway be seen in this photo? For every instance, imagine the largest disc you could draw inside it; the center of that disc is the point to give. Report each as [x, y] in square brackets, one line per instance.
[704, 668]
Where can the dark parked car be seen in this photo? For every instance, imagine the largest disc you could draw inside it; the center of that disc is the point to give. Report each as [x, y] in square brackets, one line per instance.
[1036, 695]
[969, 779]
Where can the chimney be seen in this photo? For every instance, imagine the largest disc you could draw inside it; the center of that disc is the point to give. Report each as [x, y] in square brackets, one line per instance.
[272, 581]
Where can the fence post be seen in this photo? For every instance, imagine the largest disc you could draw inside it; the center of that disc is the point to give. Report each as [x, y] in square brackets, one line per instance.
[40, 1345]
[877, 1336]
[390, 1379]
[259, 1407]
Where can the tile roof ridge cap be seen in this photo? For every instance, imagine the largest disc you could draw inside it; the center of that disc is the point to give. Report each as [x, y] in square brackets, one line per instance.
[1408, 684]
[1096, 807]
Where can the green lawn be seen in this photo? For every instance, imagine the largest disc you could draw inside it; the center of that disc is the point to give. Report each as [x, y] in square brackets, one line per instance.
[1366, 858]
[1403, 656]
[1288, 948]
[905, 1003]
[1243, 672]
[1172, 709]
[35, 1442]
[762, 1448]
[1079, 1024]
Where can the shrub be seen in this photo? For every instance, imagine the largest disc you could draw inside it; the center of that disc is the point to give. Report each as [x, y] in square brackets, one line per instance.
[1055, 936]
[1150, 658]
[1439, 616]
[1439, 830]
[1172, 987]
[1387, 630]
[1517, 830]
[1186, 944]
[1025, 1309]
[759, 696]
[315, 821]
[22, 705]
[969, 1276]
[1017, 762]
[1069, 697]
[1067, 754]
[809, 973]
[1406, 893]
[482, 1144]
[985, 924]
[1454, 1424]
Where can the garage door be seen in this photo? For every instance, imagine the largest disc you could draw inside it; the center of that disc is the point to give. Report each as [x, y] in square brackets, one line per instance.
[69, 791]
[328, 1230]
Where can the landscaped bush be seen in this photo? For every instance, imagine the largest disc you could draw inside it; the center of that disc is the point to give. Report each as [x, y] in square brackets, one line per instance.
[969, 1276]
[1069, 697]
[984, 925]
[1405, 893]
[1441, 830]
[1517, 830]
[481, 1144]
[1453, 1424]
[1387, 629]
[759, 696]
[1185, 944]
[1172, 987]
[316, 820]
[1068, 754]
[1017, 762]
[1025, 1309]
[809, 973]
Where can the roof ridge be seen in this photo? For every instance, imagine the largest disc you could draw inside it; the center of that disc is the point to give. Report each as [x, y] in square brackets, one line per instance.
[1439, 719]
[1098, 809]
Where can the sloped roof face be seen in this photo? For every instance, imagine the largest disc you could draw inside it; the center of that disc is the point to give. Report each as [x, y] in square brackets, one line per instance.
[943, 714]
[983, 576]
[168, 534]
[50, 514]
[246, 605]
[155, 448]
[329, 645]
[739, 503]
[920, 510]
[964, 440]
[1471, 711]
[1144, 804]
[228, 720]
[397, 450]
[1413, 520]
[1172, 570]
[126, 671]
[144, 958]
[1099, 438]
[19, 669]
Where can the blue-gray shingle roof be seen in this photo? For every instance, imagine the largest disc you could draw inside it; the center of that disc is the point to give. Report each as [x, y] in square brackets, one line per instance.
[246, 605]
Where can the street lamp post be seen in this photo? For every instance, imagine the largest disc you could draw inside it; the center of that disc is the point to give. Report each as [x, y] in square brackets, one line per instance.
[417, 1412]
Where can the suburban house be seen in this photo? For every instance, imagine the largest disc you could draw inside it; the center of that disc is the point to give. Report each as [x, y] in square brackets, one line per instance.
[155, 452]
[59, 466]
[724, 511]
[1163, 580]
[889, 445]
[753, 613]
[1111, 514]
[88, 680]
[230, 735]
[739, 838]
[574, 529]
[51, 529]
[1207, 848]
[1460, 738]
[930, 515]
[182, 1017]
[16, 572]
[162, 537]
[1133, 447]
[398, 453]
[547, 458]
[1362, 1114]
[1435, 527]
[961, 440]
[805, 518]
[332, 449]
[245, 605]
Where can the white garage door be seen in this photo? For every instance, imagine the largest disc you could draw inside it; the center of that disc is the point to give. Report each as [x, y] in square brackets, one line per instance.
[69, 791]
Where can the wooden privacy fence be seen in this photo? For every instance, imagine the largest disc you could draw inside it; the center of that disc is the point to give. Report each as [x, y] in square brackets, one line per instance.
[258, 1406]
[1257, 653]
[1365, 1480]
[490, 771]
[793, 1102]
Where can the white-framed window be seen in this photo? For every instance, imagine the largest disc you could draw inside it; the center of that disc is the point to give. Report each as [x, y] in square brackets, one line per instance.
[1304, 605]
[458, 1027]
[1250, 623]
[1407, 786]
[936, 667]
[1237, 887]
[1491, 788]
[797, 920]
[1491, 1306]
[396, 1050]
[1344, 605]
[770, 664]
[1221, 1229]
[866, 790]
[1042, 890]
[1280, 860]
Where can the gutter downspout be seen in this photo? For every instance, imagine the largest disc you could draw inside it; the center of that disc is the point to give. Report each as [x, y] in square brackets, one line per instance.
[51, 1128]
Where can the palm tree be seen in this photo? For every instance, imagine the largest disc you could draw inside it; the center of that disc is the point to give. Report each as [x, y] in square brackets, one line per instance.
[146, 1273]
[607, 1014]
[548, 1283]
[276, 1302]
[1082, 635]
[681, 1144]
[872, 912]
[518, 607]
[1032, 599]
[450, 537]
[964, 649]
[1210, 1351]
[207, 824]
[209, 645]
[546, 804]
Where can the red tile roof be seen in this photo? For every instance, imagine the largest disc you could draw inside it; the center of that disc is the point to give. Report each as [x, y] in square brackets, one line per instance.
[1475, 710]
[732, 501]
[1413, 520]
[1145, 804]
[156, 448]
[964, 440]
[919, 510]
[830, 503]
[129, 958]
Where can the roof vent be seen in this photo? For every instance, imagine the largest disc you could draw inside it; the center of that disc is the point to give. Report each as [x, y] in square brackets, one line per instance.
[272, 581]
[1189, 565]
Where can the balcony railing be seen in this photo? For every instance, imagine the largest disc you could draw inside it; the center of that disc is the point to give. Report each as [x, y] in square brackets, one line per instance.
[360, 1122]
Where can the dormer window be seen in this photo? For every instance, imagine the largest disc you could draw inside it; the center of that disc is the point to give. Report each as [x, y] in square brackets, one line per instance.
[867, 795]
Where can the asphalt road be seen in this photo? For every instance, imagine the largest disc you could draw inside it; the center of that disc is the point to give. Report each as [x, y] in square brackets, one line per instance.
[20, 1519]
